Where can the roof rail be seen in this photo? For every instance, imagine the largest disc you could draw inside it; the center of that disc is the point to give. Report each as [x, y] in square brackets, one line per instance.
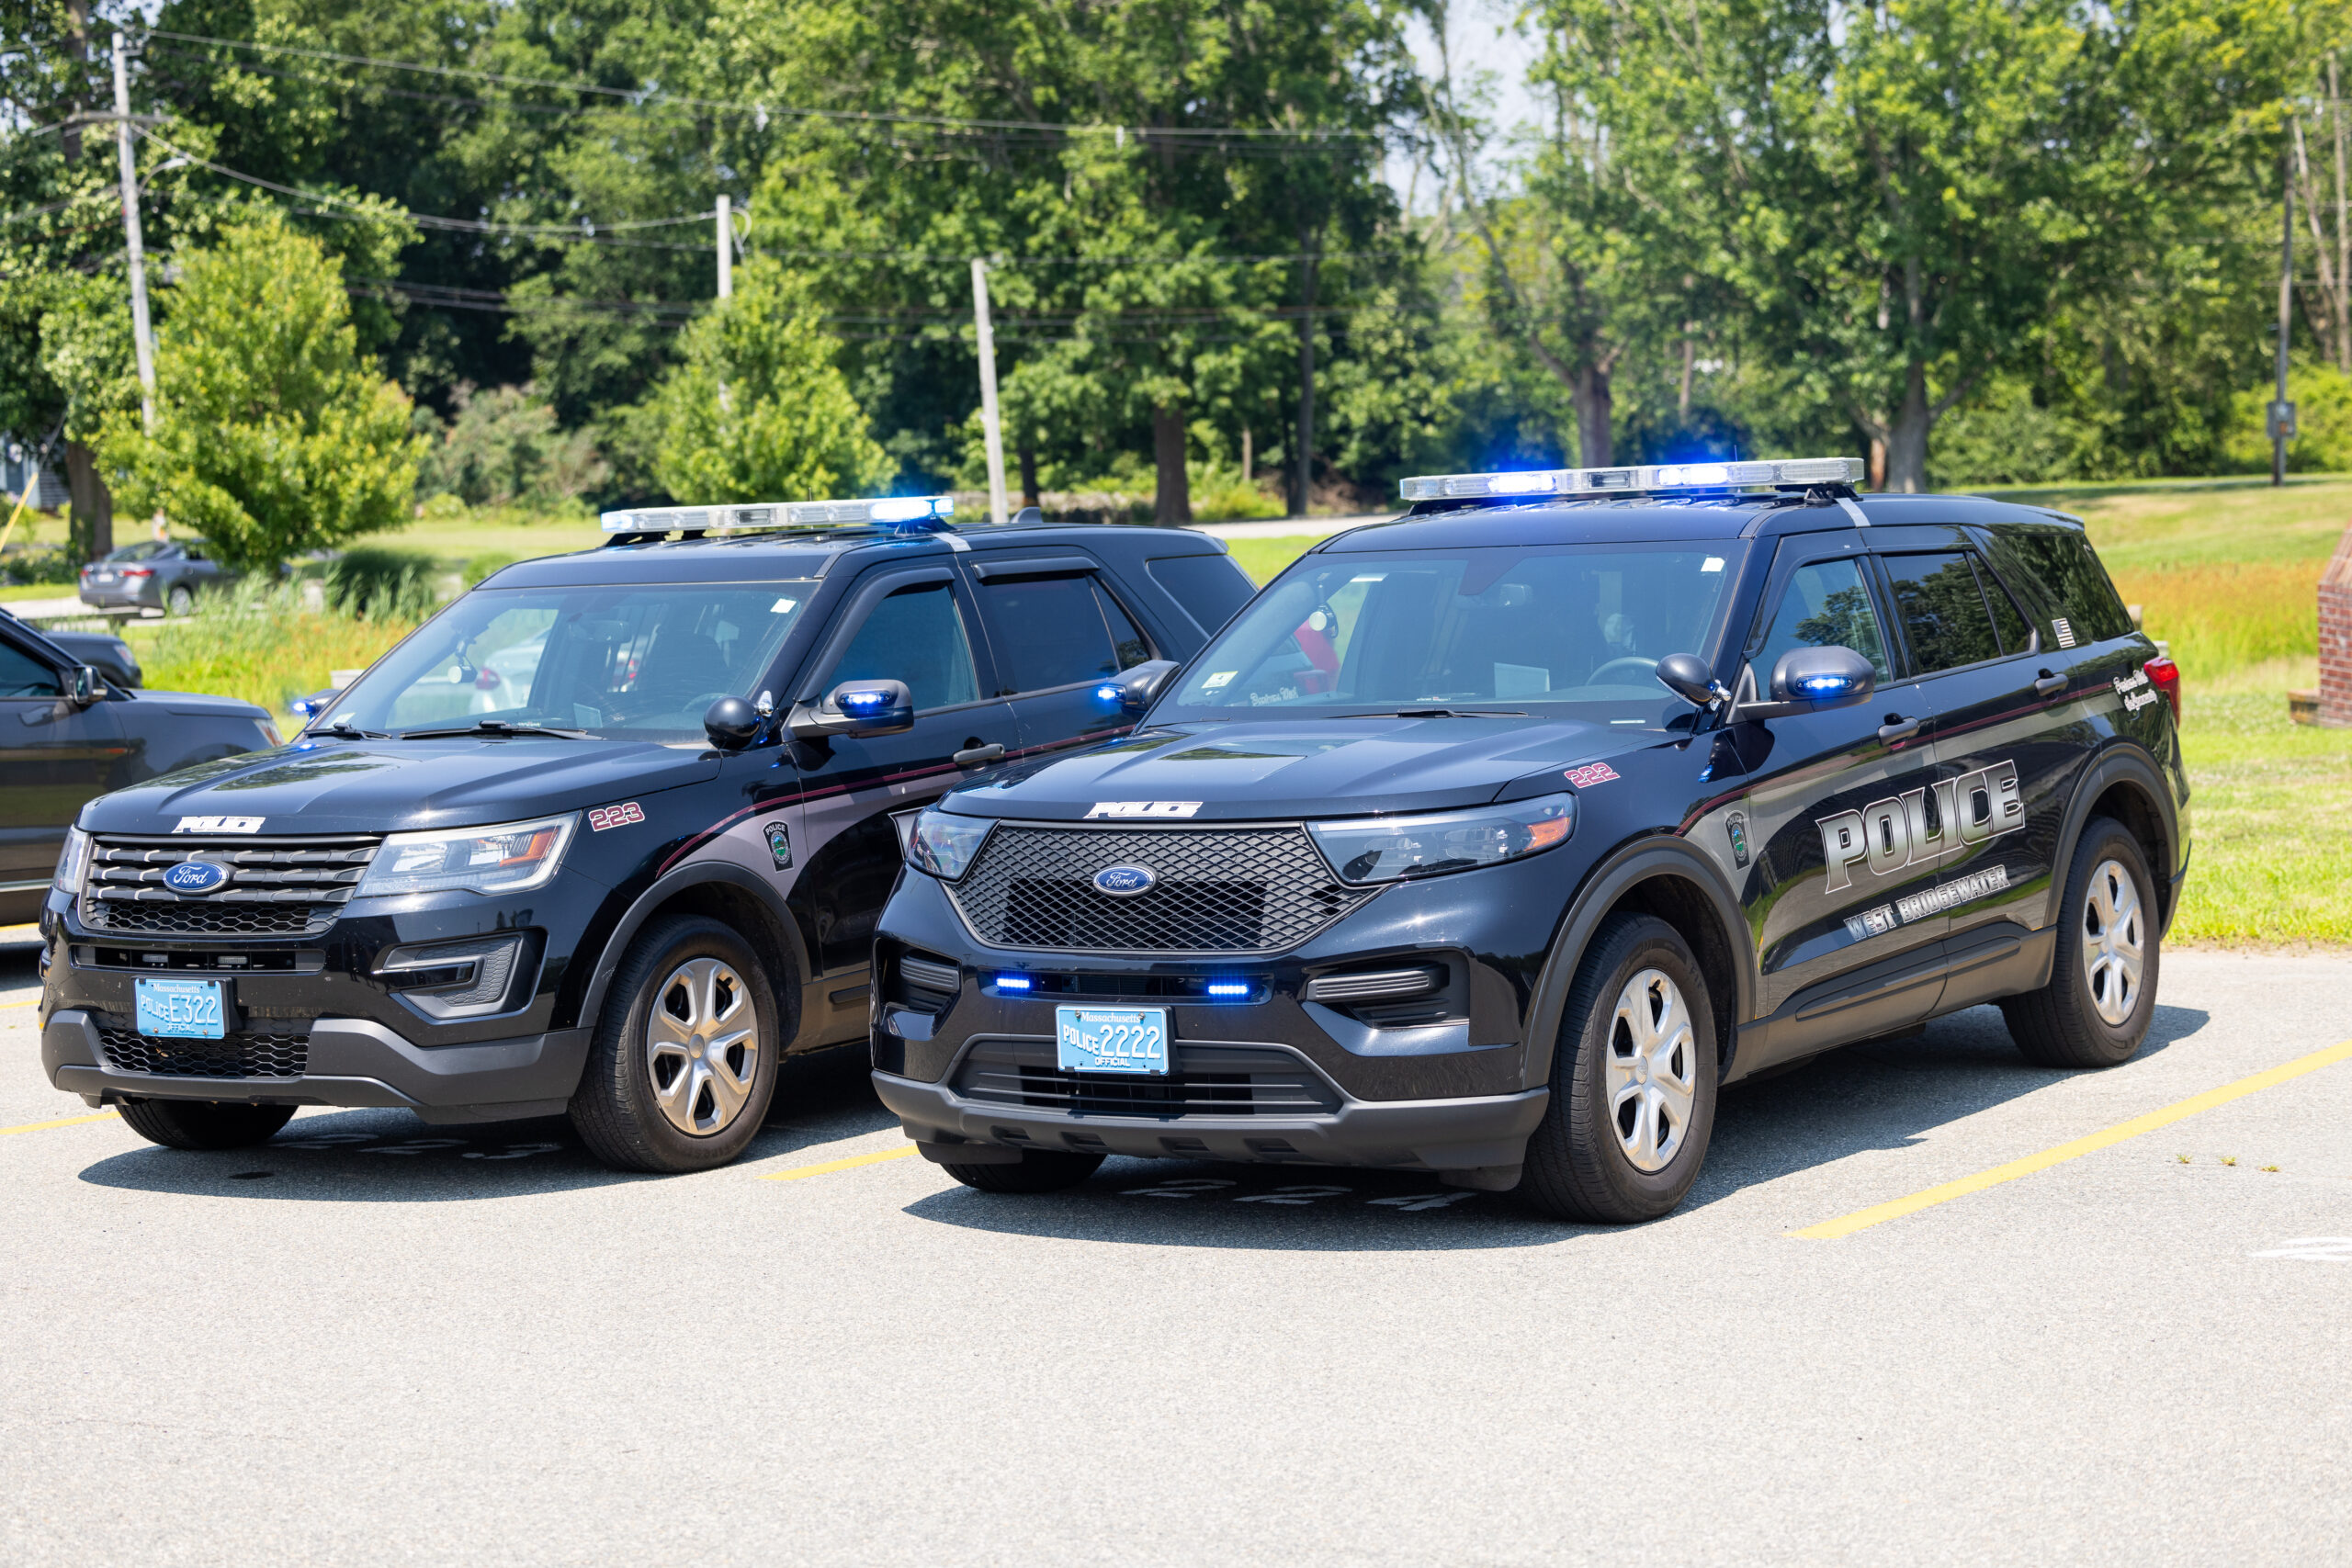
[1645, 478]
[902, 513]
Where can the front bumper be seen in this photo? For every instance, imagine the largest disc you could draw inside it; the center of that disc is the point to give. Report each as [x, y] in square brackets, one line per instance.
[1487, 1132]
[350, 1061]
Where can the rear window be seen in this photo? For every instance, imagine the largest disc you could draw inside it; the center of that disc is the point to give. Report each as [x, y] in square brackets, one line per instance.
[1210, 588]
[2055, 571]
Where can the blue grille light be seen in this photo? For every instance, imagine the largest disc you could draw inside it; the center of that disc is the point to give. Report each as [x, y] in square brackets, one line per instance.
[1228, 987]
[1015, 983]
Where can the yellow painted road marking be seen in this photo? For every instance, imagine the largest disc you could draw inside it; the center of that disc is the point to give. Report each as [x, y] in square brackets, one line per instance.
[830, 1166]
[61, 1121]
[10, 1007]
[1879, 1214]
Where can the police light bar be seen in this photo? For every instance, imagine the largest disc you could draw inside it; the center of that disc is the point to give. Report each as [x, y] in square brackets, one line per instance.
[912, 512]
[1644, 478]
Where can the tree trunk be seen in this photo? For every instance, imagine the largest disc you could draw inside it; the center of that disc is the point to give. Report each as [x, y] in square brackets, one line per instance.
[1029, 473]
[1906, 438]
[1303, 479]
[1590, 393]
[1878, 463]
[92, 503]
[1173, 504]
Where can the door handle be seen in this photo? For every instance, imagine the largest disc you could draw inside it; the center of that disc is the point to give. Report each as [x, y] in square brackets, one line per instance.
[973, 756]
[2049, 685]
[1898, 728]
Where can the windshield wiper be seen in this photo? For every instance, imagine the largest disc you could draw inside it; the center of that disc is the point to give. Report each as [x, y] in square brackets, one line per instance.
[1435, 713]
[496, 728]
[345, 731]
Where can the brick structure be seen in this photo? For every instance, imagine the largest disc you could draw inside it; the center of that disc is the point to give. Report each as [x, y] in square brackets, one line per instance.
[2336, 637]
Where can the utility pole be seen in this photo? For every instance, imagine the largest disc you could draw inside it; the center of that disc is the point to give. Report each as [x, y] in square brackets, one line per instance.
[990, 428]
[132, 244]
[2281, 411]
[726, 248]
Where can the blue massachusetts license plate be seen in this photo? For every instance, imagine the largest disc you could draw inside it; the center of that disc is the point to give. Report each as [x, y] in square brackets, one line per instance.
[1112, 1039]
[180, 1009]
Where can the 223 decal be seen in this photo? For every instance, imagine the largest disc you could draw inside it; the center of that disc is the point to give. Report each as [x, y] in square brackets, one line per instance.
[622, 816]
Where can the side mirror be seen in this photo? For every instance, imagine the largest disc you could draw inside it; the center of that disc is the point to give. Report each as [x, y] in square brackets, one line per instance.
[1132, 690]
[1682, 674]
[85, 686]
[731, 723]
[857, 708]
[1813, 680]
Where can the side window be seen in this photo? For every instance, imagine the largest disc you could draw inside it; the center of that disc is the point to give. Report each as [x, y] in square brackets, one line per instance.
[1942, 610]
[1825, 605]
[2016, 636]
[916, 635]
[1210, 588]
[1057, 631]
[22, 676]
[2065, 575]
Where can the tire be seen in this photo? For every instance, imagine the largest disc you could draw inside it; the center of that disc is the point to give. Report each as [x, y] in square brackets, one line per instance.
[2102, 990]
[204, 1124]
[1627, 1126]
[663, 1091]
[1040, 1170]
[179, 600]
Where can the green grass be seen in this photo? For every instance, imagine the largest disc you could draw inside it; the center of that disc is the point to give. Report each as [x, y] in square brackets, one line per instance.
[1263, 558]
[2271, 859]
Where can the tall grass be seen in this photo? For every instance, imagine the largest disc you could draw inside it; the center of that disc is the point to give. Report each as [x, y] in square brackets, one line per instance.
[2218, 616]
[269, 643]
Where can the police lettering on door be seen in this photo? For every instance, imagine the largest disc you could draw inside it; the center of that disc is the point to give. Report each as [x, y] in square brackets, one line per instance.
[1890, 835]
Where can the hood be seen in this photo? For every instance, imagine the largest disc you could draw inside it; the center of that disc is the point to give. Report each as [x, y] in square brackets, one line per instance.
[1316, 768]
[386, 786]
[198, 705]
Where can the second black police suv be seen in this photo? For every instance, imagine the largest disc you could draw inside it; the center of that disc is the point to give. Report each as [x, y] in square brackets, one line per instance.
[608, 835]
[1493, 840]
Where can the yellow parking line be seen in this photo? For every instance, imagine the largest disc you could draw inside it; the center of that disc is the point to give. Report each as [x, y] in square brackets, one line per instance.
[11, 1007]
[830, 1166]
[61, 1121]
[1879, 1214]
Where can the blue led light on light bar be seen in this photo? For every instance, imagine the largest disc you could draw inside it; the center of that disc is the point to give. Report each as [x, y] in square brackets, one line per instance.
[1015, 983]
[1228, 987]
[1638, 480]
[890, 511]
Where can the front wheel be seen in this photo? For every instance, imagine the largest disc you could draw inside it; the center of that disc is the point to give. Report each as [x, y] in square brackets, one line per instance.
[2102, 990]
[684, 1060]
[1632, 1081]
[204, 1124]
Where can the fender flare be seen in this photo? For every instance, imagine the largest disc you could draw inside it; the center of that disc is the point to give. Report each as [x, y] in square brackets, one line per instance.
[1633, 863]
[664, 888]
[2124, 762]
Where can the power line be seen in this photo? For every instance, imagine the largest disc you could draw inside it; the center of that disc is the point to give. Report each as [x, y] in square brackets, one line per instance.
[641, 96]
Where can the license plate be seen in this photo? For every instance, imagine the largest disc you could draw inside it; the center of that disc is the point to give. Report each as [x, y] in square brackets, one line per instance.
[180, 1009]
[1112, 1039]
[106, 577]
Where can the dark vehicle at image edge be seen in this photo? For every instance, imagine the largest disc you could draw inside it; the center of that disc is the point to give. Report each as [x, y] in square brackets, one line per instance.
[607, 836]
[1493, 840]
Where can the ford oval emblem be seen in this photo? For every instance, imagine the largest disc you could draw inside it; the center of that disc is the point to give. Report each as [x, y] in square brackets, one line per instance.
[195, 876]
[1125, 881]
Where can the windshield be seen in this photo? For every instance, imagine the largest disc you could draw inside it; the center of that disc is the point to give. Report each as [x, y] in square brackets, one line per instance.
[634, 663]
[1558, 629]
[145, 549]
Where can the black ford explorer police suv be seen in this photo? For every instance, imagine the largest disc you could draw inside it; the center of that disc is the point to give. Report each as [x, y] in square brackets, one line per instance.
[609, 834]
[1493, 840]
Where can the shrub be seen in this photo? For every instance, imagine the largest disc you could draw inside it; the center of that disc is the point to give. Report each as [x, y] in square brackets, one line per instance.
[258, 641]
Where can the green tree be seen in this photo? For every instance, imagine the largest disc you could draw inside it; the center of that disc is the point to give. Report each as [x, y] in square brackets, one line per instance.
[757, 408]
[273, 433]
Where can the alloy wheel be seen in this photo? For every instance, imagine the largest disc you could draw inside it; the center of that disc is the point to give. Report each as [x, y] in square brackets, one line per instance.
[1653, 1070]
[2114, 942]
[702, 1046]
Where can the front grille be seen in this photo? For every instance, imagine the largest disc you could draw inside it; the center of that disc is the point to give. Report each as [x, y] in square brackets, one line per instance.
[276, 888]
[1218, 890]
[1209, 1080]
[246, 1054]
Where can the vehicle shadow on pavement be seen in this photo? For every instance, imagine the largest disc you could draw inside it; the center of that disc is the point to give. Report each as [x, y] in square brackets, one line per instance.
[1884, 1095]
[392, 1157]
[1876, 1096]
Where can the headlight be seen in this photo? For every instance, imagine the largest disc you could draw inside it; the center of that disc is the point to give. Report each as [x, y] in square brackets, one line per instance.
[1389, 849]
[73, 860]
[944, 843]
[514, 857]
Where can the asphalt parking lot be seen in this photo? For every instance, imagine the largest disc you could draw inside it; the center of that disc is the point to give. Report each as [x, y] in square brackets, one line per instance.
[374, 1341]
